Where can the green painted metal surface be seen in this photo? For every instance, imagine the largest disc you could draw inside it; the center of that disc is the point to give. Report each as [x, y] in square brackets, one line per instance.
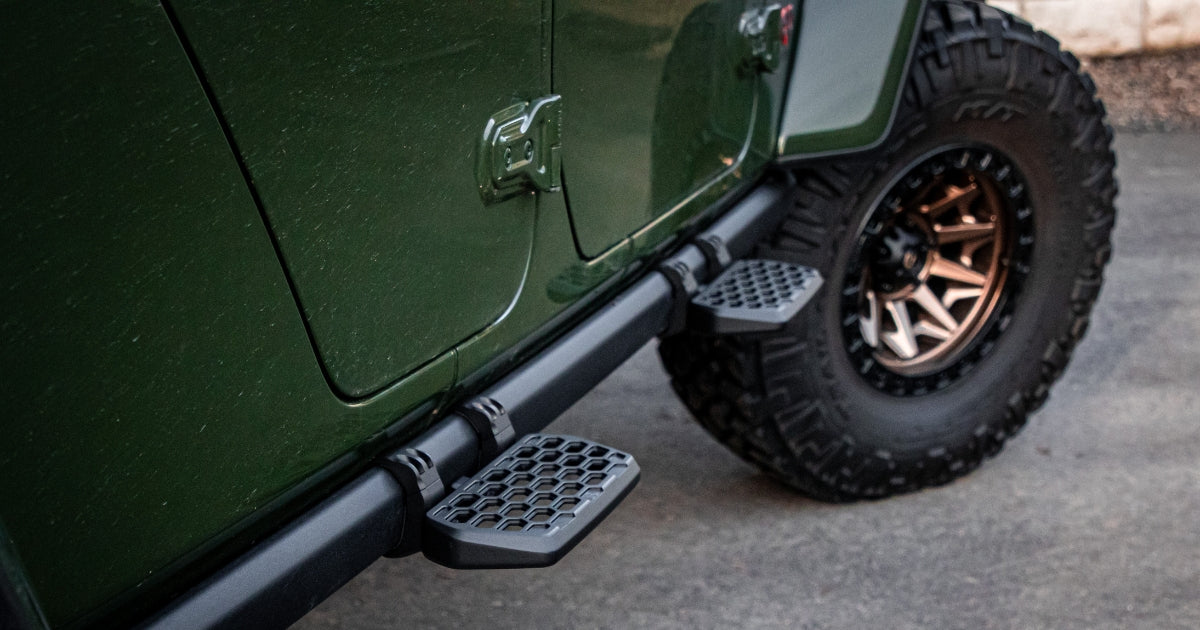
[658, 111]
[161, 400]
[168, 399]
[559, 287]
[847, 73]
[358, 123]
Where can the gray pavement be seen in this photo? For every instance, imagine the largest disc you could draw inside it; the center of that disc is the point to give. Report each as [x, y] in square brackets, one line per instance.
[1089, 519]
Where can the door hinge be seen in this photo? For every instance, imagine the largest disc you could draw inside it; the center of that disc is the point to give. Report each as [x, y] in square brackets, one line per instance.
[766, 32]
[521, 150]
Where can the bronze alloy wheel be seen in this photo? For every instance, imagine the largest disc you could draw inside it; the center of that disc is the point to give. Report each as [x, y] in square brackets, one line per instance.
[936, 262]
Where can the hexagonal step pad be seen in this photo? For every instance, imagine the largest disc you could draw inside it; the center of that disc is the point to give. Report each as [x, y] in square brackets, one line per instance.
[753, 295]
[530, 506]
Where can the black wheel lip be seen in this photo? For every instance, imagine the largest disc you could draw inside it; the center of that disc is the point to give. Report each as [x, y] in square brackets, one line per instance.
[1021, 207]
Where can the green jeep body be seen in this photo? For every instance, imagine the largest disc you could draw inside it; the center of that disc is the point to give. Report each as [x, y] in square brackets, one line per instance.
[245, 250]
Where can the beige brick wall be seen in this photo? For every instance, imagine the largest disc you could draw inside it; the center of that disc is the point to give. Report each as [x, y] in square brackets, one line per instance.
[1112, 27]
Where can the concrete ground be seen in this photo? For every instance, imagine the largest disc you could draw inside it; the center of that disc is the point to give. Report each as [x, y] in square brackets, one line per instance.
[1089, 519]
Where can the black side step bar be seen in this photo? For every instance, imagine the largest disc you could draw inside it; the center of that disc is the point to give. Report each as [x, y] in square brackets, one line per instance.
[284, 576]
[530, 506]
[753, 296]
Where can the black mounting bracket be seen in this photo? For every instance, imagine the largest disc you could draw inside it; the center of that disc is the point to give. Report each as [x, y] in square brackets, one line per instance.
[683, 286]
[492, 425]
[715, 253]
[417, 475]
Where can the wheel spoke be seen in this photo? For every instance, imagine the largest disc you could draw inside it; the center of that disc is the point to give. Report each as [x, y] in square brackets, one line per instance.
[967, 256]
[951, 270]
[982, 232]
[930, 329]
[956, 197]
[869, 323]
[960, 293]
[925, 298]
[902, 341]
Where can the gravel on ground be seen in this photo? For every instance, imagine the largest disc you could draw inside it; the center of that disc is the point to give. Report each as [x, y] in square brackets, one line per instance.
[1150, 91]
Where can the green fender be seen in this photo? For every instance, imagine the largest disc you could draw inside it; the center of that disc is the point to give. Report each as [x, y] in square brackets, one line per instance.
[849, 63]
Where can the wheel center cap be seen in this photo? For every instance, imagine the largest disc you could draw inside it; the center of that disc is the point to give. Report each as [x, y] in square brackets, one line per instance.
[899, 258]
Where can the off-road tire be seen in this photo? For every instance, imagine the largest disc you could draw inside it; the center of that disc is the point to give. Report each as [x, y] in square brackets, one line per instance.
[802, 404]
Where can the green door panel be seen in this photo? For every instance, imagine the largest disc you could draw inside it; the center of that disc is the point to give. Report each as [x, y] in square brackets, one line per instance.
[358, 123]
[561, 286]
[657, 111]
[846, 78]
[161, 401]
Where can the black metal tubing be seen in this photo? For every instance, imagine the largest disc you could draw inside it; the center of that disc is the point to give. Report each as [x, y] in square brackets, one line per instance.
[280, 579]
[539, 391]
[286, 575]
